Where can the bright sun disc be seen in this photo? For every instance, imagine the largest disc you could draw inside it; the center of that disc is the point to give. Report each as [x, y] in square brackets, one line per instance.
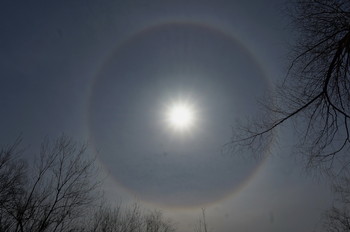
[181, 116]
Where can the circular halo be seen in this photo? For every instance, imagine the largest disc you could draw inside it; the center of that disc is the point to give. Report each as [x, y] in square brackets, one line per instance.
[145, 194]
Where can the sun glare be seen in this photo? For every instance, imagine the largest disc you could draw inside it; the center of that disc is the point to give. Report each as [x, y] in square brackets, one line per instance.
[181, 116]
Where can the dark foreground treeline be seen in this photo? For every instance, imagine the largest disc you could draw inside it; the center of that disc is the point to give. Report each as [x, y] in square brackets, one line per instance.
[59, 191]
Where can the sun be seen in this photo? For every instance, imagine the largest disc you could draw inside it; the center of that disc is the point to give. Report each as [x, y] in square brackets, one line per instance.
[181, 116]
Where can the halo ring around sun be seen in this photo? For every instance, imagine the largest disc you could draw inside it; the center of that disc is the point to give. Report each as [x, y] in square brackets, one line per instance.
[180, 117]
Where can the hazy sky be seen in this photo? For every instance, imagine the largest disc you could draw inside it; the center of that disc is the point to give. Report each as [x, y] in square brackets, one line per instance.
[107, 72]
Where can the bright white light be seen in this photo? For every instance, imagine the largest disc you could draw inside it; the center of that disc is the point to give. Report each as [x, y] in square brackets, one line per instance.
[181, 116]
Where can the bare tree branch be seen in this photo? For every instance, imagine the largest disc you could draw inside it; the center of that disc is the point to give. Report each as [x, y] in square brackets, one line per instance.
[50, 196]
[315, 94]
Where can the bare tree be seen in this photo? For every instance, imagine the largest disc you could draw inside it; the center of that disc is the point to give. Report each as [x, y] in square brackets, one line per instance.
[127, 219]
[58, 192]
[202, 223]
[53, 193]
[154, 222]
[338, 217]
[118, 219]
[337, 220]
[12, 177]
[316, 91]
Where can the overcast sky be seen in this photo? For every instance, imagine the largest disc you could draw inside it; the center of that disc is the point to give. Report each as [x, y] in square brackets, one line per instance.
[107, 72]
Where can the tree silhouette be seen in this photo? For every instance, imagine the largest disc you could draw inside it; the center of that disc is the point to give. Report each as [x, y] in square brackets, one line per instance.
[12, 179]
[315, 94]
[51, 195]
[338, 217]
[126, 219]
[202, 223]
[58, 192]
